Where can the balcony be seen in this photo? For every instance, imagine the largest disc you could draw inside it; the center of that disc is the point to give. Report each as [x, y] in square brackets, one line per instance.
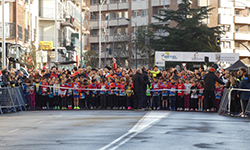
[244, 36]
[225, 19]
[49, 14]
[10, 30]
[242, 51]
[108, 7]
[242, 19]
[160, 2]
[229, 36]
[123, 5]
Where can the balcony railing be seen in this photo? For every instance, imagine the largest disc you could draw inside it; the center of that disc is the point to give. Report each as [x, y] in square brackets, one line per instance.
[49, 13]
[20, 32]
[78, 16]
[10, 30]
[26, 39]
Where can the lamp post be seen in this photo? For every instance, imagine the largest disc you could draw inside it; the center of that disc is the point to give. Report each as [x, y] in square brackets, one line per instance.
[56, 52]
[164, 7]
[114, 40]
[81, 35]
[136, 46]
[3, 37]
[100, 32]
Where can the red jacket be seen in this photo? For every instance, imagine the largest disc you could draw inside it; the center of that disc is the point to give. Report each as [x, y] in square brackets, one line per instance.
[53, 75]
[180, 89]
[44, 89]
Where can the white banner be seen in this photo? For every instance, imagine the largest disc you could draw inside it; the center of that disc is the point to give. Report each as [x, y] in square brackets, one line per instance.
[161, 57]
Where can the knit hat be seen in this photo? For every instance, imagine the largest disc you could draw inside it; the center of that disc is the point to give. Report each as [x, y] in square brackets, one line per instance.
[212, 70]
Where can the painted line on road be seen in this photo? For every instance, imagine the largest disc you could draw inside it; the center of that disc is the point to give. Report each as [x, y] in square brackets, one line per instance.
[39, 122]
[13, 130]
[147, 121]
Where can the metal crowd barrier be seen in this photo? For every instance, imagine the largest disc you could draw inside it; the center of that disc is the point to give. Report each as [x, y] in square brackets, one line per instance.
[12, 99]
[225, 103]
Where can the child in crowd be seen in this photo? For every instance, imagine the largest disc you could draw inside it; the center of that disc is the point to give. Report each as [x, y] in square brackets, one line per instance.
[200, 95]
[187, 94]
[180, 94]
[156, 93]
[69, 95]
[56, 90]
[76, 86]
[44, 92]
[122, 93]
[194, 97]
[63, 92]
[32, 95]
[218, 94]
[172, 94]
[50, 94]
[165, 94]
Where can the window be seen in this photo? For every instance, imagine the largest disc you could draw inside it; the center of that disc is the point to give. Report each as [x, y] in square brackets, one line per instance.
[144, 13]
[237, 28]
[126, 30]
[118, 15]
[20, 32]
[126, 14]
[135, 13]
[92, 2]
[107, 16]
[237, 12]
[93, 17]
[112, 16]
[119, 31]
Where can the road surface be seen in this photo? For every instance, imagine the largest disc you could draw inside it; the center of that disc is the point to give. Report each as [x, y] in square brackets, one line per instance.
[123, 130]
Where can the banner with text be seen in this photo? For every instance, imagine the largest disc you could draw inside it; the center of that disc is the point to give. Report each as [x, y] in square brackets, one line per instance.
[161, 57]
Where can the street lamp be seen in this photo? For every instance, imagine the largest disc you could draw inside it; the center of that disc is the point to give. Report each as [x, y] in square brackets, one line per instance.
[100, 32]
[243, 4]
[135, 46]
[3, 36]
[114, 37]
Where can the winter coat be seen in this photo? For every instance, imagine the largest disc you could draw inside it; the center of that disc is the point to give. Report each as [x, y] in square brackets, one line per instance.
[210, 79]
[244, 84]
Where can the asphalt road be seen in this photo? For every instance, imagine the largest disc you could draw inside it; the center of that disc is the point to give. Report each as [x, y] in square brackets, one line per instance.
[147, 130]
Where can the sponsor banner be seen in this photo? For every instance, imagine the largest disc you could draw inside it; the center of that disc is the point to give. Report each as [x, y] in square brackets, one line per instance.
[161, 57]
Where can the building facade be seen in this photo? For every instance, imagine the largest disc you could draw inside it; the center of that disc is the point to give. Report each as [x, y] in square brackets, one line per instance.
[232, 15]
[21, 30]
[69, 17]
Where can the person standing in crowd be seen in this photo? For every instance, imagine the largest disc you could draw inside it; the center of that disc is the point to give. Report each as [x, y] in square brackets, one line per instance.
[156, 72]
[138, 89]
[244, 95]
[144, 88]
[209, 88]
[241, 73]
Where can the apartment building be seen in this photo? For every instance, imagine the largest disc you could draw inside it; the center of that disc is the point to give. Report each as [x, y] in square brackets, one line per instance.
[69, 14]
[122, 18]
[21, 30]
[232, 15]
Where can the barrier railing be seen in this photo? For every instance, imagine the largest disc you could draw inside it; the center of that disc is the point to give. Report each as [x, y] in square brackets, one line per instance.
[225, 103]
[12, 99]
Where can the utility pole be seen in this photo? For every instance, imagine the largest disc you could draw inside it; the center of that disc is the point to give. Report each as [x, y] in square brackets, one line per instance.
[3, 37]
[56, 53]
[100, 32]
[81, 35]
[164, 7]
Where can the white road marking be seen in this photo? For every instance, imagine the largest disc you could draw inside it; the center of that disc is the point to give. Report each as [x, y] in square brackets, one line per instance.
[144, 123]
[13, 131]
[39, 122]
